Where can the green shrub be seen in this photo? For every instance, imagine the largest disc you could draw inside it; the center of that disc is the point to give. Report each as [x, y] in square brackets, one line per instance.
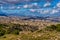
[16, 32]
[51, 28]
[1, 26]
[58, 27]
[54, 27]
[2, 32]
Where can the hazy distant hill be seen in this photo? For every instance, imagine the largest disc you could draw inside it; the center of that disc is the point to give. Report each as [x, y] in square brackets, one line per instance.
[24, 17]
[3, 14]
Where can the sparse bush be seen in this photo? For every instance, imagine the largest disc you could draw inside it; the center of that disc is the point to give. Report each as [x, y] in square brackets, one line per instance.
[2, 32]
[15, 32]
[51, 28]
[24, 27]
[1, 26]
[58, 27]
[4, 37]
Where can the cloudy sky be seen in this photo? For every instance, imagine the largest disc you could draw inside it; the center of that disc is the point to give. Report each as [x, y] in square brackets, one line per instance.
[30, 7]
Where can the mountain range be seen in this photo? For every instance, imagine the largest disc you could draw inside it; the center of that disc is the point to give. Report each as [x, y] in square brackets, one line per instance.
[23, 17]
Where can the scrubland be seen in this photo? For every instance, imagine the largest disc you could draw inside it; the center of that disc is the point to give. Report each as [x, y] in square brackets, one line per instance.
[18, 29]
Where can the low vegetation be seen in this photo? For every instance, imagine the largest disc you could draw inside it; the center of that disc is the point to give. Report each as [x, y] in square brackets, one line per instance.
[53, 27]
[29, 32]
[15, 28]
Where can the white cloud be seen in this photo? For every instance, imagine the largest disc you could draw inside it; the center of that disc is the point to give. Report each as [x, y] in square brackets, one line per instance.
[46, 11]
[54, 11]
[2, 2]
[12, 0]
[25, 6]
[32, 10]
[30, 5]
[18, 7]
[47, 4]
[58, 4]
[35, 4]
[26, 0]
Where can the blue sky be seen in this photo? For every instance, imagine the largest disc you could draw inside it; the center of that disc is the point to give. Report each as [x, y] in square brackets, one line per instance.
[30, 7]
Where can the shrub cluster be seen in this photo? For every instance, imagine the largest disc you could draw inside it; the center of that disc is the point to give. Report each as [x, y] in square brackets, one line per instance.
[15, 28]
[54, 27]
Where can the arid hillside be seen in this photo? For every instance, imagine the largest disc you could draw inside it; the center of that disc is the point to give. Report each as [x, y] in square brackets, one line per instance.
[21, 21]
[17, 28]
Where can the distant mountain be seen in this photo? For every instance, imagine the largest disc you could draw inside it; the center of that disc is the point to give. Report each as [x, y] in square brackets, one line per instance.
[26, 17]
[3, 14]
[53, 19]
